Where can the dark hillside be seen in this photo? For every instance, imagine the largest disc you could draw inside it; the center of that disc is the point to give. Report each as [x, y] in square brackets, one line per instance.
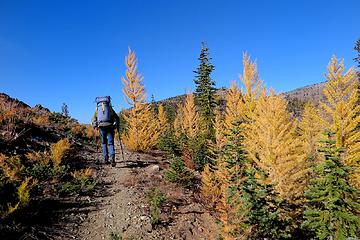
[42, 166]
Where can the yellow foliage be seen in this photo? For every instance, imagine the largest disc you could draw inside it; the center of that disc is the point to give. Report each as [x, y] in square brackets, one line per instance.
[83, 173]
[41, 120]
[8, 115]
[78, 130]
[311, 127]
[163, 121]
[272, 143]
[133, 87]
[142, 132]
[178, 122]
[210, 188]
[38, 157]
[187, 118]
[190, 117]
[227, 205]
[233, 110]
[11, 112]
[253, 85]
[23, 195]
[90, 133]
[59, 150]
[11, 166]
[343, 110]
[23, 191]
[217, 185]
[2, 157]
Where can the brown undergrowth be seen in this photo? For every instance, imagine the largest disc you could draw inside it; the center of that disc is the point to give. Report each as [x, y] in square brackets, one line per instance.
[182, 214]
[40, 168]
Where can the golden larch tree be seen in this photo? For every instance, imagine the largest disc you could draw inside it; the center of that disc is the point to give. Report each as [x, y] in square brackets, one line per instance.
[234, 108]
[311, 128]
[187, 120]
[178, 121]
[163, 120]
[252, 83]
[142, 127]
[210, 187]
[272, 143]
[225, 205]
[219, 128]
[342, 111]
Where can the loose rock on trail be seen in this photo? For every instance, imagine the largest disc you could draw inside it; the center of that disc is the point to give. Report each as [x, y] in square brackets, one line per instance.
[120, 207]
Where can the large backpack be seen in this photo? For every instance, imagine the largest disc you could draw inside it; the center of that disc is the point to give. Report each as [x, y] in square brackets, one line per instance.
[103, 109]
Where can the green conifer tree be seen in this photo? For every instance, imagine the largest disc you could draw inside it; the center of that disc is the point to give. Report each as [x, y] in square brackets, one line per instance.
[205, 93]
[260, 209]
[357, 59]
[357, 48]
[332, 203]
[65, 110]
[230, 175]
[154, 105]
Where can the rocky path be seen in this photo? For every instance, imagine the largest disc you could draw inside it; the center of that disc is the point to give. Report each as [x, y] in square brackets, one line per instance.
[122, 209]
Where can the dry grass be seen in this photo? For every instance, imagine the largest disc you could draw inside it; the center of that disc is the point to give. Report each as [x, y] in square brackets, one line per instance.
[41, 120]
[11, 166]
[83, 173]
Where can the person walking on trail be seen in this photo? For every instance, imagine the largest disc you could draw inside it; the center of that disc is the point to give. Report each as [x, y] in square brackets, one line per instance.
[106, 120]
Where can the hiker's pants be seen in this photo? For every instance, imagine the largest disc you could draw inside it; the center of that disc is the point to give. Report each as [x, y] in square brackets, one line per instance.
[107, 139]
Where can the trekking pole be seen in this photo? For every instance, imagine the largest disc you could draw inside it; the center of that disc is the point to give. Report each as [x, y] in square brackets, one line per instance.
[121, 146]
[96, 145]
[94, 142]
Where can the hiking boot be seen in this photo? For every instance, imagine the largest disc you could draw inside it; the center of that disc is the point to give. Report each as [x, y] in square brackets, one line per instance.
[106, 161]
[112, 160]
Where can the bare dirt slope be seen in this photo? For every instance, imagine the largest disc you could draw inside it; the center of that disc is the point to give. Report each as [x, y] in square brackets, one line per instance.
[122, 208]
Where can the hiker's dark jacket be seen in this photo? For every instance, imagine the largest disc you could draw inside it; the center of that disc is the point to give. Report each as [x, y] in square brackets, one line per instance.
[114, 120]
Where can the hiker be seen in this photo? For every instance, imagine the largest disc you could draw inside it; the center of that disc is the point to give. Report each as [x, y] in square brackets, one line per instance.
[106, 120]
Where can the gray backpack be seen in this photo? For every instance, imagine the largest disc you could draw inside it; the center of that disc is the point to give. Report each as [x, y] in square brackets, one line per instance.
[103, 109]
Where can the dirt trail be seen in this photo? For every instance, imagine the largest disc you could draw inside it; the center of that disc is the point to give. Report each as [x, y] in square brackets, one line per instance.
[120, 209]
[122, 206]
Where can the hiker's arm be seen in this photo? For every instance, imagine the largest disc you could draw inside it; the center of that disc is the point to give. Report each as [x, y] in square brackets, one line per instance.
[116, 118]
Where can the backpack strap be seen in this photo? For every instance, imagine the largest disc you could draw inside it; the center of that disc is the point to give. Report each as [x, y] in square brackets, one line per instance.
[103, 106]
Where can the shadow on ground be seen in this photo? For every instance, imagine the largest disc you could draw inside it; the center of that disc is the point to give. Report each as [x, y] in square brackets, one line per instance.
[57, 217]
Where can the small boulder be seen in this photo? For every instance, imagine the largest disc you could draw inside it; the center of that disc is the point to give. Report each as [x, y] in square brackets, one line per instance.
[153, 169]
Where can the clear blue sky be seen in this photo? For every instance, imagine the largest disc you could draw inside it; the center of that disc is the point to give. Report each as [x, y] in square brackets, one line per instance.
[72, 51]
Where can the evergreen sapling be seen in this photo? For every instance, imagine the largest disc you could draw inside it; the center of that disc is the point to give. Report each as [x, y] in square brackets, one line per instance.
[332, 210]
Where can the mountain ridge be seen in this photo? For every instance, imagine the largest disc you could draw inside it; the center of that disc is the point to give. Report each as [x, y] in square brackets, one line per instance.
[297, 98]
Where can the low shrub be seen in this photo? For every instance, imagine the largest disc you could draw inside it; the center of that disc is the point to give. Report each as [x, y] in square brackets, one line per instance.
[115, 236]
[82, 183]
[178, 173]
[44, 172]
[19, 174]
[41, 120]
[59, 150]
[78, 130]
[168, 143]
[156, 199]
